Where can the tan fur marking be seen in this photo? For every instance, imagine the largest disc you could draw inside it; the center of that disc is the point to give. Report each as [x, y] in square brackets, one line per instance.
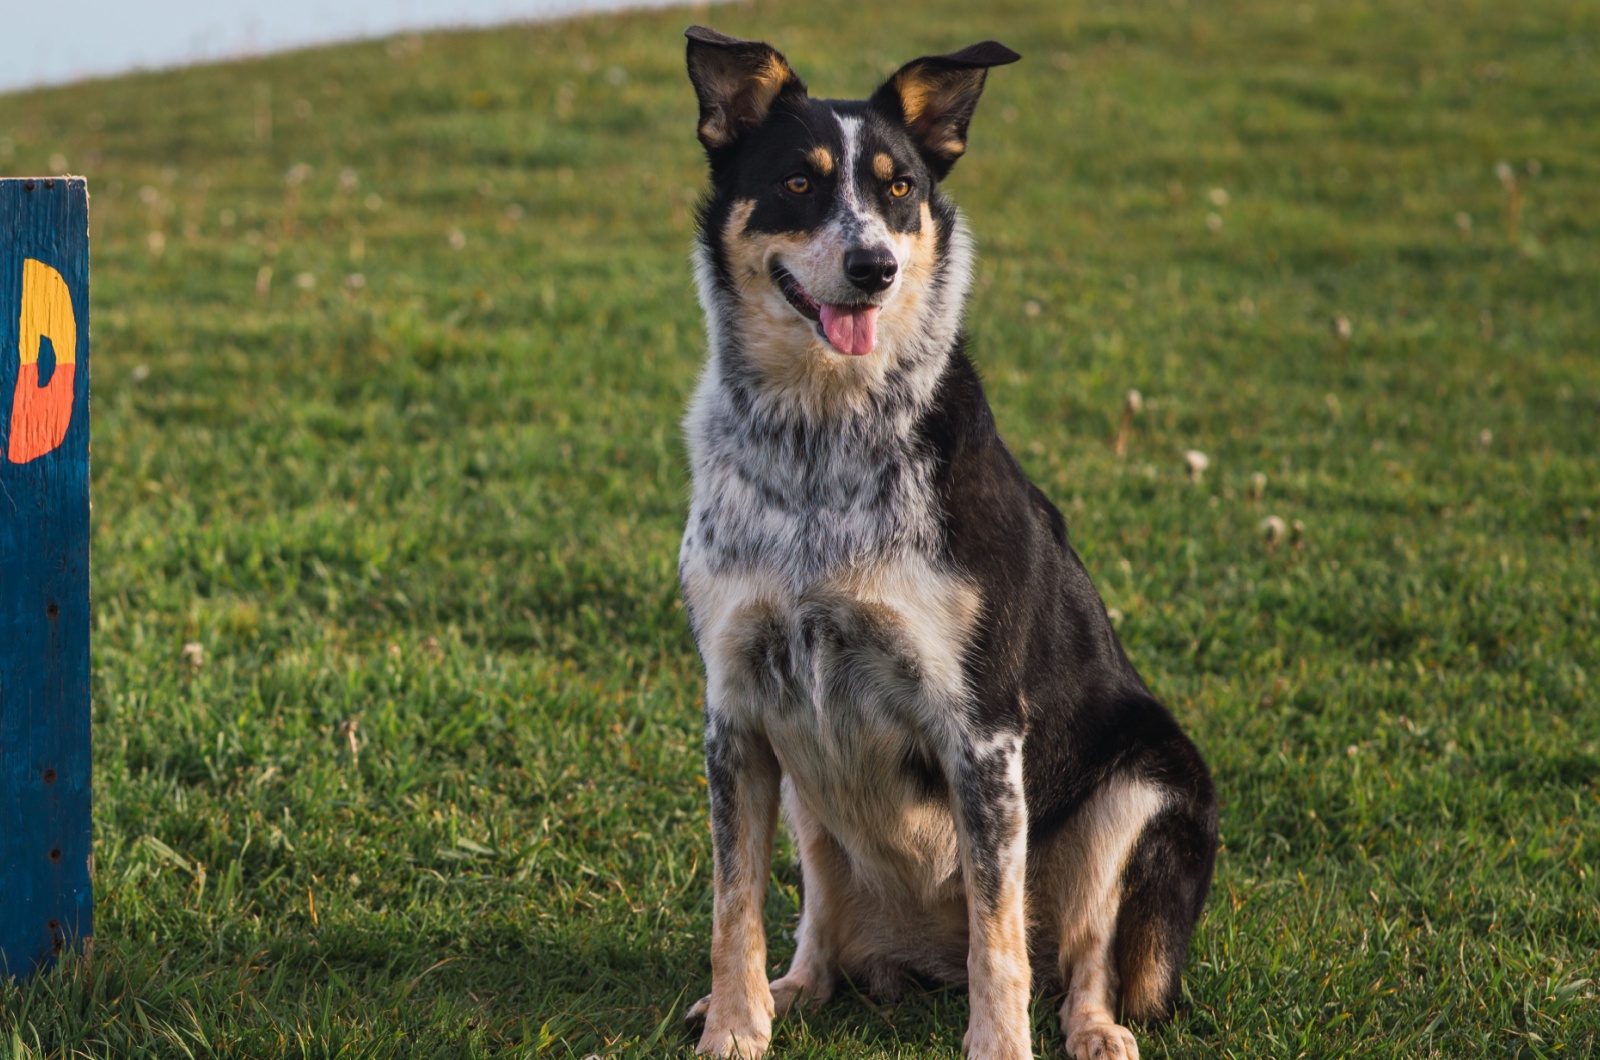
[883, 166]
[914, 95]
[757, 92]
[901, 319]
[1144, 992]
[924, 101]
[822, 159]
[784, 345]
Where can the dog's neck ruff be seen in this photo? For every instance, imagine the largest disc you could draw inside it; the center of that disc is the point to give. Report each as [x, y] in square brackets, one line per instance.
[807, 484]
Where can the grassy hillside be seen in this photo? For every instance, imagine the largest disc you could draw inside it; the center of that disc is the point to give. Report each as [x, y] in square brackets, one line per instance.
[390, 345]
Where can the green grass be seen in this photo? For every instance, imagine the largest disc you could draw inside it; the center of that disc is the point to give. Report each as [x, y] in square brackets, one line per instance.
[443, 507]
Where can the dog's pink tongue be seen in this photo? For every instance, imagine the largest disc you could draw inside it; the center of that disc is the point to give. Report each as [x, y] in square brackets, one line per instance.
[851, 329]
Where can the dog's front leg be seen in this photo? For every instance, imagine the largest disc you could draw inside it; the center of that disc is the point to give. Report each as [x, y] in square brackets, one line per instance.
[993, 820]
[743, 775]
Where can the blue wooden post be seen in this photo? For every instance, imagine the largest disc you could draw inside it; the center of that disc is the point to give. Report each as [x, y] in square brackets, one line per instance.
[45, 900]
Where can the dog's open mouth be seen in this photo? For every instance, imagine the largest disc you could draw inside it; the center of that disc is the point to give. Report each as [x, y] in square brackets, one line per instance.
[850, 329]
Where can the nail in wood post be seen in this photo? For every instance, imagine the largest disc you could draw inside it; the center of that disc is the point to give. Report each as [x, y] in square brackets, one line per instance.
[45, 899]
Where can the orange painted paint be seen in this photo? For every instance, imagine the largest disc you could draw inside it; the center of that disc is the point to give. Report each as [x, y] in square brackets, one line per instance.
[40, 415]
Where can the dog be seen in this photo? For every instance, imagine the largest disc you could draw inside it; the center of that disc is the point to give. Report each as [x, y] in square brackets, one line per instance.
[903, 653]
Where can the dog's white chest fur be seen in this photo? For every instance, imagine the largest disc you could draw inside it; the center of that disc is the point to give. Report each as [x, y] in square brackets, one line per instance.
[827, 622]
[856, 679]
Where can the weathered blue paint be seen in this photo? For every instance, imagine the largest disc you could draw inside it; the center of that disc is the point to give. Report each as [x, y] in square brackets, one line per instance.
[45, 899]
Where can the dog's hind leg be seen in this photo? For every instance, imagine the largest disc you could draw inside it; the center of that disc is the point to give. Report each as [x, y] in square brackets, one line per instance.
[1087, 866]
[824, 871]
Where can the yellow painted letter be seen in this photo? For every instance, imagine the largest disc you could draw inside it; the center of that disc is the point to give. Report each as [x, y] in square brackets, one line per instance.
[40, 414]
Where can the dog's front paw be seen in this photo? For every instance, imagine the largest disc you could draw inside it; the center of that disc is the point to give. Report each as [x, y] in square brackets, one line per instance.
[989, 1042]
[1102, 1041]
[730, 1033]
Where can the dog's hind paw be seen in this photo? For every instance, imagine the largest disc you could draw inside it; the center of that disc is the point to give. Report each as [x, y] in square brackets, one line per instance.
[694, 1019]
[1102, 1041]
[793, 990]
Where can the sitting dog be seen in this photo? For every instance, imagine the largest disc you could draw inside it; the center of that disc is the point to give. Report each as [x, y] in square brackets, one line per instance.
[902, 651]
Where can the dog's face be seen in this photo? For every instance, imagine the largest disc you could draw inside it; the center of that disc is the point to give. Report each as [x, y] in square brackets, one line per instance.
[825, 231]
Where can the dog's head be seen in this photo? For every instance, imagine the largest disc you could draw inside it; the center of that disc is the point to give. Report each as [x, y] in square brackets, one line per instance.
[824, 235]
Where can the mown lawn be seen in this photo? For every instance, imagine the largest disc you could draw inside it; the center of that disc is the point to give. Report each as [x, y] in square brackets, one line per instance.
[390, 346]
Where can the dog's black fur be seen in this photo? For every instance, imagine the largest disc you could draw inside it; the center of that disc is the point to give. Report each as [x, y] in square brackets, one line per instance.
[890, 612]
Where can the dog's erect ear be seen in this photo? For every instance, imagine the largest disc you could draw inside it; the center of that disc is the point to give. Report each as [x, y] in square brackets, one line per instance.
[936, 95]
[736, 81]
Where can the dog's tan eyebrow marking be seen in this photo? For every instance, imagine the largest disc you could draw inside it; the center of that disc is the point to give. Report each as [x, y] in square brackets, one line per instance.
[883, 166]
[822, 158]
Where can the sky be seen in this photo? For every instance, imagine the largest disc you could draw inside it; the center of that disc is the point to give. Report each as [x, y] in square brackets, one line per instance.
[49, 43]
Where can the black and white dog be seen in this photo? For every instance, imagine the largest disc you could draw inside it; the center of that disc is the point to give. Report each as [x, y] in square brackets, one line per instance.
[902, 651]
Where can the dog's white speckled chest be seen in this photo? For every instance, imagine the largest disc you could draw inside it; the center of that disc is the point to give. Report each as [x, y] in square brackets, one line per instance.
[827, 622]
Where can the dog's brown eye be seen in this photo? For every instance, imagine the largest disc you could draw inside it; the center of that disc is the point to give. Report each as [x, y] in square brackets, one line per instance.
[900, 188]
[799, 184]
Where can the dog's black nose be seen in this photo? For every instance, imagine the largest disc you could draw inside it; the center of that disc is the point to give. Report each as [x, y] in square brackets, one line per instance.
[870, 270]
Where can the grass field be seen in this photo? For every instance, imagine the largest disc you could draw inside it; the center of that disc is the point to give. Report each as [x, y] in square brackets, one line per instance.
[390, 346]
